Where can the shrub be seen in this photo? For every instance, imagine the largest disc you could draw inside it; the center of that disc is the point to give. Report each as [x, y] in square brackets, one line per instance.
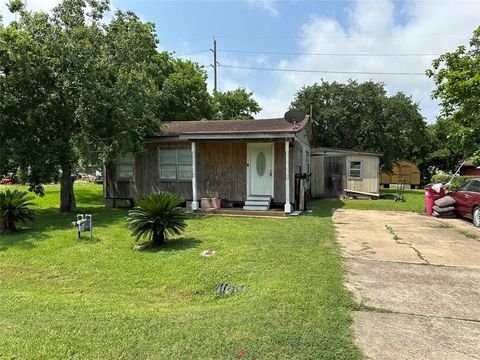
[156, 215]
[14, 208]
[456, 182]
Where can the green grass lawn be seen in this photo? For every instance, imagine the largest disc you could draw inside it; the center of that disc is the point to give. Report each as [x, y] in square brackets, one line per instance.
[414, 201]
[64, 298]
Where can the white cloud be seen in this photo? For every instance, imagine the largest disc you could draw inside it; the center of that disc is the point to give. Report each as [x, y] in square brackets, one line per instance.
[268, 6]
[373, 27]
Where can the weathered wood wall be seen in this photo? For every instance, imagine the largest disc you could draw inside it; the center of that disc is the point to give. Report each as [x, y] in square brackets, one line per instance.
[334, 176]
[317, 164]
[221, 170]
[279, 173]
[146, 177]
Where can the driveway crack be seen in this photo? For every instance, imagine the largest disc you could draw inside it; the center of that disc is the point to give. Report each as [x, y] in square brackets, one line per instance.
[397, 239]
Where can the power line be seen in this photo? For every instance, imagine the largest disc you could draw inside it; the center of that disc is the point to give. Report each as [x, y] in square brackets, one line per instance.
[192, 53]
[323, 71]
[327, 54]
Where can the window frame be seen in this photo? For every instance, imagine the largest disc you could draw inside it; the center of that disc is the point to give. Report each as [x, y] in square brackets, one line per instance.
[177, 164]
[119, 163]
[350, 177]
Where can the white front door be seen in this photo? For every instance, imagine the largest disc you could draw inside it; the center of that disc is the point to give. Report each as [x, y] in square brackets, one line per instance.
[260, 169]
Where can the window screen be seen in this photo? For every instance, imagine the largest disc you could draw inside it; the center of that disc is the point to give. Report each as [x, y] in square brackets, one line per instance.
[126, 167]
[355, 170]
[176, 164]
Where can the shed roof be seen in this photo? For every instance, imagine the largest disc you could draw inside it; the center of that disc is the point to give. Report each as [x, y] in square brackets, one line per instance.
[319, 151]
[231, 127]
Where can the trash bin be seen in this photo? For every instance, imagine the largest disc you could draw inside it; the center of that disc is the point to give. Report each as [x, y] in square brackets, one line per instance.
[431, 194]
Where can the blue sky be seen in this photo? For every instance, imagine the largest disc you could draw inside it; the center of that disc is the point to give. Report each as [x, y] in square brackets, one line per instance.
[333, 27]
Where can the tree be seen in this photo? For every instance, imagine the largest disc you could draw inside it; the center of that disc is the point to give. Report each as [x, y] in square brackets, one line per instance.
[73, 87]
[457, 79]
[361, 116]
[155, 216]
[444, 152]
[15, 6]
[235, 105]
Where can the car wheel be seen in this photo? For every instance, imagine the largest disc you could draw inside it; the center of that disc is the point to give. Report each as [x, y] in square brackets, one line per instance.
[476, 216]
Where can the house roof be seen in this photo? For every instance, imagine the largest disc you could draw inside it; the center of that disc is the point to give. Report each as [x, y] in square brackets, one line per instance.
[231, 127]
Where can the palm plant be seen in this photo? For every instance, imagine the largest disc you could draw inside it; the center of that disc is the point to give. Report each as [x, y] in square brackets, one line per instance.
[156, 215]
[14, 208]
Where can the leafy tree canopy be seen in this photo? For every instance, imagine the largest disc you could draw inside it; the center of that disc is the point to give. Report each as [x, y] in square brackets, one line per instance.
[235, 105]
[361, 116]
[73, 86]
[457, 79]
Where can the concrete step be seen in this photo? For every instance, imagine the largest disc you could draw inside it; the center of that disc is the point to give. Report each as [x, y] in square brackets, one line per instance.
[256, 207]
[259, 197]
[257, 202]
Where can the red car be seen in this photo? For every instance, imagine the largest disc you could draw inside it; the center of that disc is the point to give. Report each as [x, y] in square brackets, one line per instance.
[468, 200]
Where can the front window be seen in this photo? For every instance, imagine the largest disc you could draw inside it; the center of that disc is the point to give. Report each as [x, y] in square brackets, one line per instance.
[355, 170]
[126, 167]
[176, 164]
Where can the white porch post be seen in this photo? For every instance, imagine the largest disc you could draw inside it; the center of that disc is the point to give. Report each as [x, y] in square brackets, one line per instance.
[288, 206]
[194, 177]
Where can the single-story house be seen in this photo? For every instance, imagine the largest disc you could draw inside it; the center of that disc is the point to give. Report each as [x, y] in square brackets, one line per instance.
[251, 163]
[403, 172]
[336, 170]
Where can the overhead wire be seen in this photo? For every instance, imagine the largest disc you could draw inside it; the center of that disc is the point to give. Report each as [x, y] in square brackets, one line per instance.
[322, 71]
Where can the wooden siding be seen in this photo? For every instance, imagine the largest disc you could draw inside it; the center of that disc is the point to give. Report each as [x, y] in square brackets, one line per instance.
[146, 177]
[317, 164]
[222, 171]
[334, 176]
[279, 173]
[401, 170]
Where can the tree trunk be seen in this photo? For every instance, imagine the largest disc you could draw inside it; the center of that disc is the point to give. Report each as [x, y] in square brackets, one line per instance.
[7, 226]
[158, 239]
[67, 197]
[3, 225]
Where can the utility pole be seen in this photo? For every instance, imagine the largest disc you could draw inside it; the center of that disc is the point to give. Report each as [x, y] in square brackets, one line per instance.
[214, 65]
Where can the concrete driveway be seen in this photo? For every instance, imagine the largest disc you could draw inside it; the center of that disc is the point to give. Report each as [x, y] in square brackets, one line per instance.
[417, 282]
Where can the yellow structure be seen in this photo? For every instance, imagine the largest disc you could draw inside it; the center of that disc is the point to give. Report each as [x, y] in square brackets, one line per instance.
[402, 170]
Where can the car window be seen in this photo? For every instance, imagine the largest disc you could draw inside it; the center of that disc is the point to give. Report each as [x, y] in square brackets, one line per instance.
[474, 186]
[465, 186]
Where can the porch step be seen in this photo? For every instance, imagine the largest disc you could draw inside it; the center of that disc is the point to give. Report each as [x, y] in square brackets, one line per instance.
[257, 203]
[256, 208]
[259, 197]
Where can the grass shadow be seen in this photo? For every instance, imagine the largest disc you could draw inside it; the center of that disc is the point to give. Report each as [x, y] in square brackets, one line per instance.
[177, 244]
[324, 208]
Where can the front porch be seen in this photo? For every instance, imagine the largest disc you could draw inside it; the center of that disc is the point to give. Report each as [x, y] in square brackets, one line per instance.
[254, 172]
[240, 212]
